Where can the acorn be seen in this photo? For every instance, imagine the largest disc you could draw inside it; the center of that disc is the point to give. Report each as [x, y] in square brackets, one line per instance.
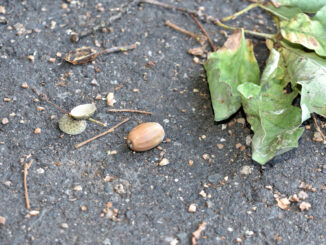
[145, 136]
[84, 111]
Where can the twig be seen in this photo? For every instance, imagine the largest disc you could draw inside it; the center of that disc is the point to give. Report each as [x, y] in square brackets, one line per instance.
[118, 49]
[129, 110]
[204, 31]
[101, 134]
[45, 98]
[198, 37]
[318, 128]
[207, 17]
[25, 171]
[103, 24]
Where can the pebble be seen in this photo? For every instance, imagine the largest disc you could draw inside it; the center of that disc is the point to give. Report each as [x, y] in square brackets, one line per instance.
[246, 170]
[192, 208]
[64, 225]
[164, 162]
[37, 131]
[4, 121]
[2, 220]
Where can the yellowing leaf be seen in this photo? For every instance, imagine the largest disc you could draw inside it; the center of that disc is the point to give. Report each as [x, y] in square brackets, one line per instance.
[270, 113]
[227, 68]
[309, 32]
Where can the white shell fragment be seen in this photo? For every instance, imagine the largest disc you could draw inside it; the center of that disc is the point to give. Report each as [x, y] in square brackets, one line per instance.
[71, 126]
[83, 111]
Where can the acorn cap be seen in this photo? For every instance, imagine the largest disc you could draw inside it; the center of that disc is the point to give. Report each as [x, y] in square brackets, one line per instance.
[83, 111]
[71, 126]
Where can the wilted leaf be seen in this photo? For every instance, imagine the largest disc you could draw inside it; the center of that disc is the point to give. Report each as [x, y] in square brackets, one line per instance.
[270, 113]
[309, 32]
[309, 6]
[227, 68]
[309, 71]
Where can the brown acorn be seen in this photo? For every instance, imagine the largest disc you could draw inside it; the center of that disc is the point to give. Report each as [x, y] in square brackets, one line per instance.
[145, 136]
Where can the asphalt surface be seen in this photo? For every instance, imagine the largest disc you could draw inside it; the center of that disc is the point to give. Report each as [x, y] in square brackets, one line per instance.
[91, 195]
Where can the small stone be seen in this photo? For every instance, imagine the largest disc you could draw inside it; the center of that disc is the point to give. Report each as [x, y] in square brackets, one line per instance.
[98, 97]
[37, 131]
[294, 198]
[205, 156]
[241, 121]
[53, 24]
[164, 162]
[238, 240]
[220, 146]
[59, 55]
[34, 212]
[2, 10]
[248, 140]
[40, 108]
[192, 208]
[94, 82]
[78, 188]
[110, 99]
[2, 220]
[83, 208]
[31, 58]
[317, 137]
[4, 121]
[302, 195]
[203, 193]
[40, 171]
[283, 203]
[64, 225]
[52, 60]
[190, 162]
[135, 90]
[196, 60]
[305, 206]
[246, 170]
[24, 85]
[195, 90]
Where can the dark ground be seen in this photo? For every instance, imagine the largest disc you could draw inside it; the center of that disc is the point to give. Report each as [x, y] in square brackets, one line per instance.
[68, 186]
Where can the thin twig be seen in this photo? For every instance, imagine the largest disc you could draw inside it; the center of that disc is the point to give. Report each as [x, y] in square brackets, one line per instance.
[318, 128]
[25, 171]
[129, 110]
[101, 134]
[45, 98]
[118, 49]
[107, 23]
[207, 17]
[204, 31]
[198, 37]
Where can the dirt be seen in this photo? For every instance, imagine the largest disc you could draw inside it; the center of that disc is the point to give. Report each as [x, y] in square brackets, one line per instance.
[103, 193]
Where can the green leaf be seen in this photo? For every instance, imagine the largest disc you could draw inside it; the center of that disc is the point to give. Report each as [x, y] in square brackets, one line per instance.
[227, 68]
[309, 71]
[309, 6]
[270, 113]
[310, 33]
[284, 12]
[321, 16]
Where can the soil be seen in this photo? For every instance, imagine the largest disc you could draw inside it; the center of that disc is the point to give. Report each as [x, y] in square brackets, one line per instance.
[103, 193]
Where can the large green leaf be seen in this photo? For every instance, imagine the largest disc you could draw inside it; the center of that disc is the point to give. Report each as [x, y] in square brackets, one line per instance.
[309, 6]
[309, 32]
[308, 70]
[227, 68]
[270, 113]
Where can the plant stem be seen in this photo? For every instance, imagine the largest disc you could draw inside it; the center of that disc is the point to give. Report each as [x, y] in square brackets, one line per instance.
[204, 31]
[207, 17]
[25, 172]
[118, 49]
[200, 38]
[235, 15]
[98, 122]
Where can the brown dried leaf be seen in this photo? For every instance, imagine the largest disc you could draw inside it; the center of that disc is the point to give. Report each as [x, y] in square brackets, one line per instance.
[283, 203]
